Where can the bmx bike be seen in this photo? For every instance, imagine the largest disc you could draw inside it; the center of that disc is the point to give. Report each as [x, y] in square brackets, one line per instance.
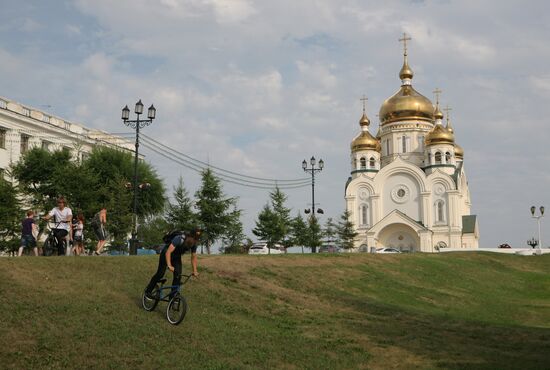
[177, 305]
[51, 245]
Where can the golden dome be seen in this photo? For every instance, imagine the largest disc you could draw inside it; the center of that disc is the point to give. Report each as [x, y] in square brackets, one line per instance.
[364, 121]
[406, 71]
[437, 112]
[459, 152]
[407, 103]
[365, 141]
[440, 135]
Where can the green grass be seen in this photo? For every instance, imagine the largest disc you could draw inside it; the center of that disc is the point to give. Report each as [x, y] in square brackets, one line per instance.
[451, 311]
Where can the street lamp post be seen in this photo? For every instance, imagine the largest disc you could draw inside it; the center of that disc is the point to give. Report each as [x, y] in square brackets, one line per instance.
[313, 171]
[137, 124]
[533, 210]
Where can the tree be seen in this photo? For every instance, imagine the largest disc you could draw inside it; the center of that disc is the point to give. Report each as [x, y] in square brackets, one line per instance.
[180, 214]
[282, 214]
[213, 208]
[267, 227]
[99, 181]
[152, 231]
[233, 237]
[329, 232]
[41, 176]
[10, 216]
[345, 231]
[298, 231]
[274, 225]
[313, 233]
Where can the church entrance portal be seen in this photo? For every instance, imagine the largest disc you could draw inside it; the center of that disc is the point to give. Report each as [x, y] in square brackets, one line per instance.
[400, 237]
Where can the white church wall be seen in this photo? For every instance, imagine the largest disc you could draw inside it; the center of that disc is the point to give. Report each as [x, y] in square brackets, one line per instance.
[402, 192]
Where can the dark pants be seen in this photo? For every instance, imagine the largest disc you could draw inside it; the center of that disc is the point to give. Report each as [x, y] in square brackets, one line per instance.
[60, 235]
[176, 262]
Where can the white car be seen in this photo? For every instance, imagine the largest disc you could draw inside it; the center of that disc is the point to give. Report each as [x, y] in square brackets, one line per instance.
[261, 248]
[387, 250]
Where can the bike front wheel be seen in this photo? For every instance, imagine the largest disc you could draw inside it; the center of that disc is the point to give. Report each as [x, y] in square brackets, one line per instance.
[150, 302]
[176, 310]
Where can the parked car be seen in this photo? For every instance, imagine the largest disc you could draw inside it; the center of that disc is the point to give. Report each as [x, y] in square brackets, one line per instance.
[387, 250]
[261, 248]
[505, 245]
[527, 252]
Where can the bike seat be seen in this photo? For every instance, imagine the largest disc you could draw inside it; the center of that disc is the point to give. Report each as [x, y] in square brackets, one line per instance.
[162, 281]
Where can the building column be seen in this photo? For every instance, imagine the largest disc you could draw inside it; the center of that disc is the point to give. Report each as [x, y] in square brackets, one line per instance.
[376, 209]
[426, 209]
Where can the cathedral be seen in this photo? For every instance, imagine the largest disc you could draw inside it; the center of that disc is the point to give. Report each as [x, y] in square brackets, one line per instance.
[408, 188]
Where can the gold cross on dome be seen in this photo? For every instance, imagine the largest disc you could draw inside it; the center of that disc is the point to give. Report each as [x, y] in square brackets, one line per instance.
[437, 92]
[364, 100]
[404, 39]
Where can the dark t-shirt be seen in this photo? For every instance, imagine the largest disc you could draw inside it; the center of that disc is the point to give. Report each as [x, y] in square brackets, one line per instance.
[26, 228]
[180, 247]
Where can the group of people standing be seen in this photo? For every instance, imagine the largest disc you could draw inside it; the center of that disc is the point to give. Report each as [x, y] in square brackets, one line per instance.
[65, 230]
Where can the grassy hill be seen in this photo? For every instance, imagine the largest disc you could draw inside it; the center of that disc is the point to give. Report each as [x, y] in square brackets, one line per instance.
[462, 310]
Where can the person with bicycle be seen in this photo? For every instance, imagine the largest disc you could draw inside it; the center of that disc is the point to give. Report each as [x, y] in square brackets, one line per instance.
[170, 258]
[62, 216]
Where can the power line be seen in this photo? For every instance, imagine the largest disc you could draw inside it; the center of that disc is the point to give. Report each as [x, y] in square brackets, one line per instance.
[241, 180]
[300, 180]
[199, 169]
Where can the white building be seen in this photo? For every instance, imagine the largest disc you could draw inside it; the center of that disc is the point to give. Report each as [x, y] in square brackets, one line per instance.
[408, 187]
[22, 128]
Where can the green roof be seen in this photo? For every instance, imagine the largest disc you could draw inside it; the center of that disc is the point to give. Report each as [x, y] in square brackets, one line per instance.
[469, 224]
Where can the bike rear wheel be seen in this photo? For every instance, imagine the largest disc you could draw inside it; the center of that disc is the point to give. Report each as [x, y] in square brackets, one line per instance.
[50, 246]
[150, 303]
[176, 310]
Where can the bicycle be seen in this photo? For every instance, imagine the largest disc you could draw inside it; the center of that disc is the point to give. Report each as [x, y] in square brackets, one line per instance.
[177, 305]
[50, 244]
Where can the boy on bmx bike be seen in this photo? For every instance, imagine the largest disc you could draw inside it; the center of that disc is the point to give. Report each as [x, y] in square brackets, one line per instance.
[170, 258]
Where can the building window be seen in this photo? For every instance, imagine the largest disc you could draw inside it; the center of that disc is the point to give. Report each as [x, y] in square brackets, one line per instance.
[354, 163]
[404, 144]
[364, 212]
[440, 212]
[45, 145]
[388, 147]
[363, 162]
[26, 112]
[2, 138]
[438, 157]
[448, 157]
[24, 144]
[3, 104]
[372, 162]
[421, 143]
[67, 126]
[46, 118]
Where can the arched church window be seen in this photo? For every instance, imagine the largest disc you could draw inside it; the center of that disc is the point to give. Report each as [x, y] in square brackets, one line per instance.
[404, 144]
[438, 157]
[388, 147]
[448, 157]
[364, 215]
[372, 162]
[354, 163]
[421, 142]
[363, 162]
[440, 211]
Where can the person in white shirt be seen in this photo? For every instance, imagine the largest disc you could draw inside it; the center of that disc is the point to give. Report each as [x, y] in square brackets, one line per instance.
[62, 217]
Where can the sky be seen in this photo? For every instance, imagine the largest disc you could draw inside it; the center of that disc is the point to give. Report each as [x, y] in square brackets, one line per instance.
[255, 87]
